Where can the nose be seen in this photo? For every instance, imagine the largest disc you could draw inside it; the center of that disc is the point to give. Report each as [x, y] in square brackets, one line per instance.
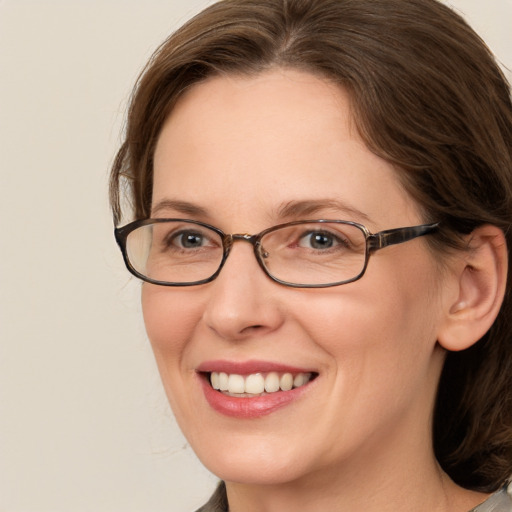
[242, 300]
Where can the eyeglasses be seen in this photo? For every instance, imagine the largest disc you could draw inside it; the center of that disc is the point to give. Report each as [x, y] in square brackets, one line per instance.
[301, 254]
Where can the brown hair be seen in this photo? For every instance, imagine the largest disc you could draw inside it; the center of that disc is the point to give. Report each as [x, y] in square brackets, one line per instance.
[427, 97]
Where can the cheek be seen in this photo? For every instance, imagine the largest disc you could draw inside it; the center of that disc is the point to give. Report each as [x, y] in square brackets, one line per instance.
[170, 319]
[380, 330]
[384, 371]
[385, 303]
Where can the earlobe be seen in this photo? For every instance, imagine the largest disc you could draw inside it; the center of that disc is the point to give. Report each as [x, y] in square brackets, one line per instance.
[481, 275]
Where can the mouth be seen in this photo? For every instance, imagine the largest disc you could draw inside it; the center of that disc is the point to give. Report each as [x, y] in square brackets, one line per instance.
[252, 389]
[257, 384]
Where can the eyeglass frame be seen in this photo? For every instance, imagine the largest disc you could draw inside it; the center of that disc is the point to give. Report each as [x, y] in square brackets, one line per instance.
[373, 242]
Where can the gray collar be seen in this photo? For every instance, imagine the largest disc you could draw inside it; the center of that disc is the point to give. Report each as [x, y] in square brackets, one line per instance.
[498, 502]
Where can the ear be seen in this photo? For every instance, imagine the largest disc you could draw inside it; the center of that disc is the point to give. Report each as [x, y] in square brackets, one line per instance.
[480, 276]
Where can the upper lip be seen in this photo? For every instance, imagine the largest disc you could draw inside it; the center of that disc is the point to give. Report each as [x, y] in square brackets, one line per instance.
[248, 367]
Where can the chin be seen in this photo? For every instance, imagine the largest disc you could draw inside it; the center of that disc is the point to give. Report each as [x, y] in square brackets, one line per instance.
[269, 472]
[256, 461]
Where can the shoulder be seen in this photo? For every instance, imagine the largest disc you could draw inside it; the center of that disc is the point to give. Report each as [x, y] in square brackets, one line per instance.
[500, 501]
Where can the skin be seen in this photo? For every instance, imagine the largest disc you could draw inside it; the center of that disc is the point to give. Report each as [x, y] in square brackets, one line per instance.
[238, 149]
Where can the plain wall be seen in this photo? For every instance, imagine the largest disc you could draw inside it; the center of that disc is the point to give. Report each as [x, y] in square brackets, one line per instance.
[84, 424]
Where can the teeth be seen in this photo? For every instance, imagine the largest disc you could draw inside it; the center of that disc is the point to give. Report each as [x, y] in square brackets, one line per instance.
[299, 380]
[272, 382]
[257, 383]
[254, 384]
[223, 381]
[236, 383]
[286, 382]
[214, 380]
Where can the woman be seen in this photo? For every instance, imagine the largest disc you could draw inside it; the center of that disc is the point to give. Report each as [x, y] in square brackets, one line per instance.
[357, 356]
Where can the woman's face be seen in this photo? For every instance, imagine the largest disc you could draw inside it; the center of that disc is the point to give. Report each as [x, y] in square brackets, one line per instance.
[245, 154]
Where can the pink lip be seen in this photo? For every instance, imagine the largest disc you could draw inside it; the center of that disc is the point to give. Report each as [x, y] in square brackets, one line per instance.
[247, 408]
[248, 367]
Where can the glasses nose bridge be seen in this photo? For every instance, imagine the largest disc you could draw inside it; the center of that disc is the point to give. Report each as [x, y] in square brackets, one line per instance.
[229, 240]
[254, 240]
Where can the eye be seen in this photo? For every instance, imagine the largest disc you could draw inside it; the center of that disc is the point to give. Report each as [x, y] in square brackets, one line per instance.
[319, 240]
[189, 240]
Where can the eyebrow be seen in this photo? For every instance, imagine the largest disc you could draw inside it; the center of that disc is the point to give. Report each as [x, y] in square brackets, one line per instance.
[183, 207]
[309, 207]
[290, 209]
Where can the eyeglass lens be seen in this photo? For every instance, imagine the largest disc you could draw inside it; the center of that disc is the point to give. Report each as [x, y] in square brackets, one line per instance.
[308, 253]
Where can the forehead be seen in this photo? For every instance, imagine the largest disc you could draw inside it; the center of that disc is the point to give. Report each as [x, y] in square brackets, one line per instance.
[283, 102]
[245, 144]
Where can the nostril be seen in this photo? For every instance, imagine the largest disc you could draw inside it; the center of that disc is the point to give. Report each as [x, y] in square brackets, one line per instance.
[250, 328]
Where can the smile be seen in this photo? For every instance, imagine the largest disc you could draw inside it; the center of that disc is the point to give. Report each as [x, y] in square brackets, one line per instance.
[252, 389]
[257, 384]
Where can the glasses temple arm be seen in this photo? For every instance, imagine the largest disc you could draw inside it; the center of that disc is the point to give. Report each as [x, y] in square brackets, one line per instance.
[399, 235]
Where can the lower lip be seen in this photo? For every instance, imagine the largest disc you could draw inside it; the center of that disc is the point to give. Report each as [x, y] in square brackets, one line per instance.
[253, 407]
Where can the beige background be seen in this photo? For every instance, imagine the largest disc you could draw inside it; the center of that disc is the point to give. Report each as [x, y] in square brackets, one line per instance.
[84, 425]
